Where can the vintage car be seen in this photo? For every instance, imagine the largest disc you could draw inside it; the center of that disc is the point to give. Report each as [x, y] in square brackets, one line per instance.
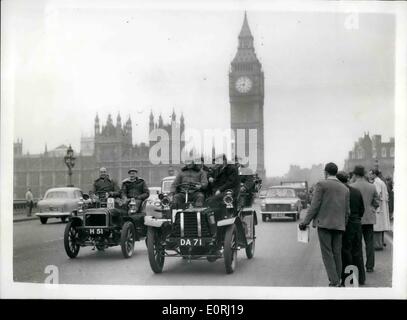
[192, 233]
[281, 202]
[58, 203]
[99, 224]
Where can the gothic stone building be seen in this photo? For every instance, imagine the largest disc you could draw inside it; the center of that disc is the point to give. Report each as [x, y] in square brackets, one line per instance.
[111, 147]
[372, 152]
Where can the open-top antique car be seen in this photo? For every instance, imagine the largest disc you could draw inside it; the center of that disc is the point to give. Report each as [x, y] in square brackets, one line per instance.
[104, 222]
[192, 233]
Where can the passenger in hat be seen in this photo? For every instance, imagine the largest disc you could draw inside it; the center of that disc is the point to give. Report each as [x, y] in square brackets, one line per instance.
[134, 187]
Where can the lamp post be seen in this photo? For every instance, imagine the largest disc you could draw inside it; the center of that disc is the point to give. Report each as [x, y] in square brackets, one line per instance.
[69, 160]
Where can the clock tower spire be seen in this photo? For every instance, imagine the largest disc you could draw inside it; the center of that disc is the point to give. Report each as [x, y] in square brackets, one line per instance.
[246, 94]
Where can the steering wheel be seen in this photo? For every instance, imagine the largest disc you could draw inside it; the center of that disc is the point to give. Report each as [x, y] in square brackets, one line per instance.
[188, 187]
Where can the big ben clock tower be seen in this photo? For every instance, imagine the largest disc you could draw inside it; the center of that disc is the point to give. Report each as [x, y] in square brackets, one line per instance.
[246, 92]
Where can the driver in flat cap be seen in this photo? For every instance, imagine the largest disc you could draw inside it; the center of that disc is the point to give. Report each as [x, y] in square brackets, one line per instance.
[134, 187]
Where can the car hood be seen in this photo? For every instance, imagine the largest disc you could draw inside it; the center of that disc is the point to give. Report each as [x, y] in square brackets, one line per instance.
[54, 202]
[280, 200]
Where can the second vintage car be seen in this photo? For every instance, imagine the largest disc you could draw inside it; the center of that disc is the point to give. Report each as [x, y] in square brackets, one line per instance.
[281, 202]
[58, 203]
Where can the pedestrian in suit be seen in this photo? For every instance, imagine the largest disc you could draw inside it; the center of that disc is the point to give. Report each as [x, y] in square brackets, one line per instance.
[370, 202]
[329, 211]
[352, 253]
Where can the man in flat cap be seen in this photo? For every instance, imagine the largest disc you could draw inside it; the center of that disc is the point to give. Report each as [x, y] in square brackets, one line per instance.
[134, 187]
[104, 184]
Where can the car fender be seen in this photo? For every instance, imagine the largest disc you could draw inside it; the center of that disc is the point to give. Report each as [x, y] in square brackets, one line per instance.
[154, 222]
[241, 237]
[76, 221]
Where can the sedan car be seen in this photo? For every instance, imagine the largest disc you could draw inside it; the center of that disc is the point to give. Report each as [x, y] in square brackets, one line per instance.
[281, 202]
[59, 203]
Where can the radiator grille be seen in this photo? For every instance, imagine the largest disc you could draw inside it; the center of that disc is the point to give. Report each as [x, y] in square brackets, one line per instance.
[95, 220]
[191, 225]
[278, 207]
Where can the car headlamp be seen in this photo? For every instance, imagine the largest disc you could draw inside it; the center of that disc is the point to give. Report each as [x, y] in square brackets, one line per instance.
[293, 206]
[80, 205]
[228, 199]
[132, 205]
[165, 201]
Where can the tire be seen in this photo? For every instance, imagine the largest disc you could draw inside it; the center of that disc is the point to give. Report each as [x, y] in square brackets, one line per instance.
[100, 247]
[155, 253]
[252, 246]
[263, 218]
[295, 217]
[43, 220]
[63, 219]
[127, 239]
[71, 247]
[211, 259]
[229, 249]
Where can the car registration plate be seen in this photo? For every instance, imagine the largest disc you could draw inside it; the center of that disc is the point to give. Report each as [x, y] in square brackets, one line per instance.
[194, 242]
[96, 231]
[278, 215]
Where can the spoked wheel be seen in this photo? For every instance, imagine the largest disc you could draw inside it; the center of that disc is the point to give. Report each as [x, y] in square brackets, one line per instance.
[127, 238]
[155, 251]
[70, 240]
[251, 247]
[230, 249]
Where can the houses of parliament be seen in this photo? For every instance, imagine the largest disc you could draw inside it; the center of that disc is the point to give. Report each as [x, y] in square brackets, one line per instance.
[112, 146]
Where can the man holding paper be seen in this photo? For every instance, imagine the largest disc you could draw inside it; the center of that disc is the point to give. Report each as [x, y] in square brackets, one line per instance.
[329, 211]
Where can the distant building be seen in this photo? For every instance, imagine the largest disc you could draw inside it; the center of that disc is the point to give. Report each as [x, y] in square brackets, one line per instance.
[111, 147]
[371, 152]
[311, 175]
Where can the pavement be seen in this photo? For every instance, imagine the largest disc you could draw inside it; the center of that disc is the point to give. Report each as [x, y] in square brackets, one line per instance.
[22, 216]
[280, 260]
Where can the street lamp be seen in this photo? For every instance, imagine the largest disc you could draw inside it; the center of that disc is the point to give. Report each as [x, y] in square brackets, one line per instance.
[69, 160]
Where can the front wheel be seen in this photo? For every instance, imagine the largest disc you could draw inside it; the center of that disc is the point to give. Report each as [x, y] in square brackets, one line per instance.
[70, 240]
[155, 251]
[251, 247]
[127, 239]
[63, 219]
[230, 249]
[43, 220]
[263, 217]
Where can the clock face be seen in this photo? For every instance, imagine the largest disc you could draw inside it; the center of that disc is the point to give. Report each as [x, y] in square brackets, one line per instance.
[243, 84]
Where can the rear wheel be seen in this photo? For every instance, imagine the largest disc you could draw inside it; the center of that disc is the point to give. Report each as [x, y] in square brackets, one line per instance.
[230, 249]
[70, 240]
[127, 239]
[43, 220]
[155, 251]
[251, 247]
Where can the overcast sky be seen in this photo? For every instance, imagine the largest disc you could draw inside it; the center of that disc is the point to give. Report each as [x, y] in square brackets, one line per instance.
[325, 84]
